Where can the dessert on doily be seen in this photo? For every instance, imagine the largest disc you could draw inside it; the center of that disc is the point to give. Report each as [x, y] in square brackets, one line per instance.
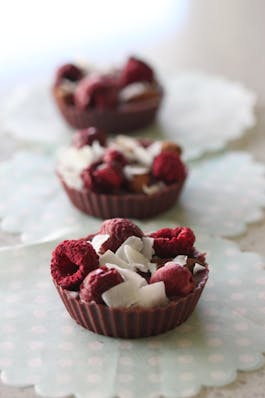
[121, 177]
[120, 100]
[121, 282]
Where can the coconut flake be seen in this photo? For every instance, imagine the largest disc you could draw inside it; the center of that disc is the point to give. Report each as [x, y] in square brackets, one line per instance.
[72, 161]
[136, 259]
[152, 295]
[128, 274]
[155, 148]
[110, 257]
[130, 171]
[152, 189]
[133, 241]
[143, 156]
[133, 90]
[98, 240]
[148, 249]
[122, 295]
[180, 260]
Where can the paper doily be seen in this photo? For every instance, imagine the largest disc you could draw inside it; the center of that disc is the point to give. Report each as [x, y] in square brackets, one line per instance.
[221, 196]
[200, 111]
[204, 112]
[225, 334]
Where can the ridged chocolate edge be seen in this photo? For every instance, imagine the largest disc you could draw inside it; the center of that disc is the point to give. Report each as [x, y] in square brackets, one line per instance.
[139, 206]
[132, 322]
[126, 118]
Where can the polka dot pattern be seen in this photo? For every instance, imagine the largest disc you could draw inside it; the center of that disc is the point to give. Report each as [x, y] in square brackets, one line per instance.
[224, 334]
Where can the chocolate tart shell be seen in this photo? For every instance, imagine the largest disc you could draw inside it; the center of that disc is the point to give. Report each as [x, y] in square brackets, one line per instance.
[131, 205]
[123, 119]
[133, 322]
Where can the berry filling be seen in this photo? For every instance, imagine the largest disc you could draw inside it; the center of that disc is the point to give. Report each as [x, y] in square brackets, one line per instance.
[97, 282]
[168, 167]
[120, 266]
[134, 71]
[71, 261]
[120, 165]
[135, 82]
[172, 242]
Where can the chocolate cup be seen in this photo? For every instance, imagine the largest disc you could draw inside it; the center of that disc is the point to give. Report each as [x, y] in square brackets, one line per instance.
[131, 205]
[133, 322]
[125, 118]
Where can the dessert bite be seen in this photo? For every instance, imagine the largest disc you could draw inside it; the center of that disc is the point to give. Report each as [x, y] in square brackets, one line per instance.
[121, 177]
[117, 101]
[122, 282]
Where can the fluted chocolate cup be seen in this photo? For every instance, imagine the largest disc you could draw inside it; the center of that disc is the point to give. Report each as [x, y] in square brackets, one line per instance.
[133, 322]
[126, 205]
[122, 119]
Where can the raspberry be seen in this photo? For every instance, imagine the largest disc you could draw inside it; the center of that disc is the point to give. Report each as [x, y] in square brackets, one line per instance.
[119, 230]
[136, 70]
[71, 261]
[88, 177]
[70, 72]
[88, 136]
[97, 91]
[178, 280]
[97, 282]
[168, 167]
[103, 178]
[172, 242]
[114, 156]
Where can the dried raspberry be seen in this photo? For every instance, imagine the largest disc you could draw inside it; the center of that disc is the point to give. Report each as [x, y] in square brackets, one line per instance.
[119, 230]
[103, 178]
[172, 242]
[97, 282]
[88, 136]
[168, 167]
[136, 71]
[97, 91]
[70, 72]
[114, 156]
[109, 178]
[88, 177]
[178, 280]
[71, 261]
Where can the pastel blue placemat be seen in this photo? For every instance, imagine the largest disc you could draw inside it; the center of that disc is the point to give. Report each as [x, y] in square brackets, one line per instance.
[41, 345]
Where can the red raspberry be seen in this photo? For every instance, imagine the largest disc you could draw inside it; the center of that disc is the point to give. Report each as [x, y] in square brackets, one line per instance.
[71, 261]
[97, 91]
[136, 70]
[172, 242]
[114, 156]
[97, 282]
[168, 167]
[178, 280]
[88, 136]
[119, 230]
[70, 72]
[103, 178]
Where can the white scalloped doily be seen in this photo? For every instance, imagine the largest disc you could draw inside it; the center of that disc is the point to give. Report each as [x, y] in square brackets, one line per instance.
[222, 195]
[203, 112]
[200, 111]
[41, 345]
[29, 113]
